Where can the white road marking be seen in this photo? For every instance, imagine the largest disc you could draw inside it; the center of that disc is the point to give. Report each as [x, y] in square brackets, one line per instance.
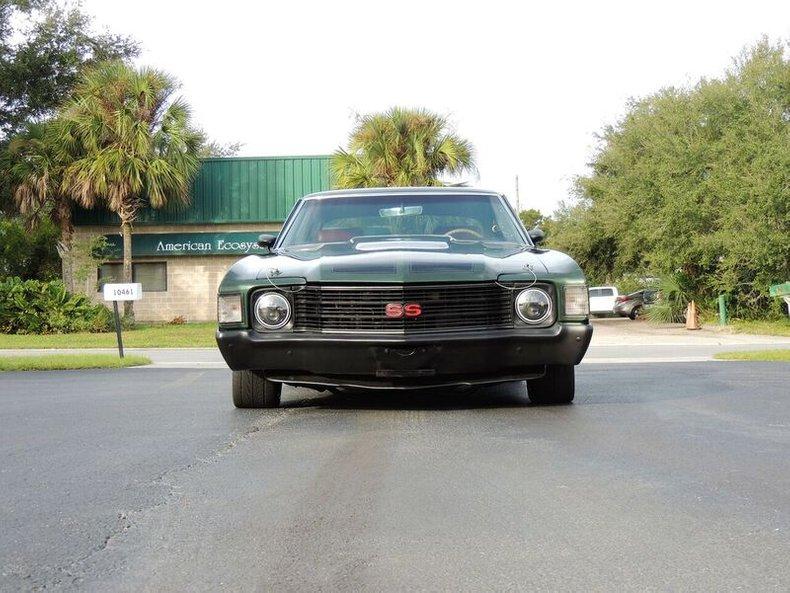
[645, 359]
[184, 365]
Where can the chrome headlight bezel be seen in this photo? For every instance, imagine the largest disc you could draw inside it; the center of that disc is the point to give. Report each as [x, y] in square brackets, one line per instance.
[283, 304]
[523, 295]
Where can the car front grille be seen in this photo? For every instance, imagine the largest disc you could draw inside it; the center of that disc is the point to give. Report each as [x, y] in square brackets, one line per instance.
[362, 308]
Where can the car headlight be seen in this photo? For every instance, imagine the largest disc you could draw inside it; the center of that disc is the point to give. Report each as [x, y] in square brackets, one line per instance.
[577, 299]
[533, 305]
[272, 310]
[229, 308]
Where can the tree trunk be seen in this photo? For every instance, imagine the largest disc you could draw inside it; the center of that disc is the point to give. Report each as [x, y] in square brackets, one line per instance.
[64, 249]
[126, 230]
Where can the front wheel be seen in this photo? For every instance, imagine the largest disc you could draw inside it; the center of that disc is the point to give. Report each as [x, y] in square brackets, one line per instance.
[557, 386]
[635, 312]
[253, 390]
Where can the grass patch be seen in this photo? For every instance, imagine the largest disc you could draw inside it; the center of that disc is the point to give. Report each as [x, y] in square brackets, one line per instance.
[779, 327]
[757, 355]
[189, 335]
[59, 362]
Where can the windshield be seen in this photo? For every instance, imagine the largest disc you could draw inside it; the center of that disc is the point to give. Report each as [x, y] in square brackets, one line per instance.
[414, 221]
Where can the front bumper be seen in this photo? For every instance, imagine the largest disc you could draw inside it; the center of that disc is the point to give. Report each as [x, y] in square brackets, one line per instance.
[405, 361]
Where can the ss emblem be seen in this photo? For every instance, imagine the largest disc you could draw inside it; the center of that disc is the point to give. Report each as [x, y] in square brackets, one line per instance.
[398, 310]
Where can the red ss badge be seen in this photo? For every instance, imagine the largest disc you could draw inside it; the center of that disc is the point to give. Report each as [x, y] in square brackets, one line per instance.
[412, 310]
[397, 310]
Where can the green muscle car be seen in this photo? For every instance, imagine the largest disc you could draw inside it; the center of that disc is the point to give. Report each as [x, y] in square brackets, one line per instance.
[403, 288]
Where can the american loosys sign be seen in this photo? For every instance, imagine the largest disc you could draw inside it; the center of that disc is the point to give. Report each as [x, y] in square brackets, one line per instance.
[177, 244]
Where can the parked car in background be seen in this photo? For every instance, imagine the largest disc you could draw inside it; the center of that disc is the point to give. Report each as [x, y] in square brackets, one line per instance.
[634, 304]
[602, 300]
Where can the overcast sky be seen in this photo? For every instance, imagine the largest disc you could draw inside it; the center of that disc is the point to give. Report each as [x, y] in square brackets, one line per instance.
[529, 85]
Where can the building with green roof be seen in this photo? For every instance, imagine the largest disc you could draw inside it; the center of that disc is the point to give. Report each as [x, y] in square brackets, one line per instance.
[180, 253]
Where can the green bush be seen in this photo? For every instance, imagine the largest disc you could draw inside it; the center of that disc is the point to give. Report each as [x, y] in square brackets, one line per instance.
[634, 281]
[28, 253]
[674, 295]
[36, 307]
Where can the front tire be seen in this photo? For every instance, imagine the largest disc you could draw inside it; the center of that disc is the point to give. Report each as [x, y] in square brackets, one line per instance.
[253, 390]
[635, 312]
[557, 386]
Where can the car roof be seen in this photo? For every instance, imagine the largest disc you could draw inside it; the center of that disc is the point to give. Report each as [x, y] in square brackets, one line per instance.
[394, 191]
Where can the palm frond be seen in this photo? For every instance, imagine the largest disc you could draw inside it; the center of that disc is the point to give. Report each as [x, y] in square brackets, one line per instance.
[135, 140]
[401, 147]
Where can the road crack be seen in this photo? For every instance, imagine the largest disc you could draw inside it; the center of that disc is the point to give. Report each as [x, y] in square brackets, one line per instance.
[72, 575]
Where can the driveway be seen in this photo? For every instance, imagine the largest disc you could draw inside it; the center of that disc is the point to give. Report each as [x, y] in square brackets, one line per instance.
[660, 476]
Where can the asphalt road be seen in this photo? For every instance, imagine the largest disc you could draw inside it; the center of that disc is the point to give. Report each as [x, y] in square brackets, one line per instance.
[660, 477]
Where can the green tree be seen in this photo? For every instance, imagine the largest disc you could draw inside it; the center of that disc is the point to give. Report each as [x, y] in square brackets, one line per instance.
[135, 144]
[694, 182]
[35, 172]
[532, 217]
[401, 147]
[44, 47]
[28, 253]
[35, 168]
[214, 149]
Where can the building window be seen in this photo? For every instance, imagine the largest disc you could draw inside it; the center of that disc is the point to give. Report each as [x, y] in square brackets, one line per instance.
[152, 275]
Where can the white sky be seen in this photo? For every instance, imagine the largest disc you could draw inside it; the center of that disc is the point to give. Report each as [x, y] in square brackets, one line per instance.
[529, 85]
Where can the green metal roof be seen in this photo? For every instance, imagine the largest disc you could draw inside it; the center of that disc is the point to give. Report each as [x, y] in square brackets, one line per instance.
[235, 190]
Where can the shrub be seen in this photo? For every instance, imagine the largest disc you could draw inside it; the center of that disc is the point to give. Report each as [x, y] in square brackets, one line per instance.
[28, 253]
[674, 294]
[634, 281]
[36, 307]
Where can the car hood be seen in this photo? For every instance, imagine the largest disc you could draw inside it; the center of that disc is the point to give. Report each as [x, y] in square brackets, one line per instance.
[396, 266]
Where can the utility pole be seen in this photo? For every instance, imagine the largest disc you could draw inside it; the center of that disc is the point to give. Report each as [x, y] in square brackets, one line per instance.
[518, 198]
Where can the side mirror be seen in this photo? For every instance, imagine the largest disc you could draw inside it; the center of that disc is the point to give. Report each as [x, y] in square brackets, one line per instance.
[266, 240]
[537, 235]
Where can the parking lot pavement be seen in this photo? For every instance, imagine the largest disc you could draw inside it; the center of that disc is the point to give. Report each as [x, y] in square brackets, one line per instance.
[621, 340]
[672, 477]
[621, 331]
[615, 341]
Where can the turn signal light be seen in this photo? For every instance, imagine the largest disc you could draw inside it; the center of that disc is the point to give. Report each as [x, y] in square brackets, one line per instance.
[577, 300]
[229, 308]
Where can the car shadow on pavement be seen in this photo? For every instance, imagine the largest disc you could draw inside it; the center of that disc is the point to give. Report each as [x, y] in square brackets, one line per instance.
[505, 395]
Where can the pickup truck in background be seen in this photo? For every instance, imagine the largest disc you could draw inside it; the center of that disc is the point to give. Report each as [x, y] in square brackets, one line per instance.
[603, 299]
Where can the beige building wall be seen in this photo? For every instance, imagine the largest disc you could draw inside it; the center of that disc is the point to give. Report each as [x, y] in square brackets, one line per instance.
[192, 282]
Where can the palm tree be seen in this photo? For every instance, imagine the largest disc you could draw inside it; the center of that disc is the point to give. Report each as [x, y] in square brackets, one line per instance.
[401, 147]
[135, 143]
[36, 175]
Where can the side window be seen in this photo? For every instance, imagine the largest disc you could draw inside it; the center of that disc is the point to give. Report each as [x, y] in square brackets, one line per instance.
[503, 224]
[607, 292]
